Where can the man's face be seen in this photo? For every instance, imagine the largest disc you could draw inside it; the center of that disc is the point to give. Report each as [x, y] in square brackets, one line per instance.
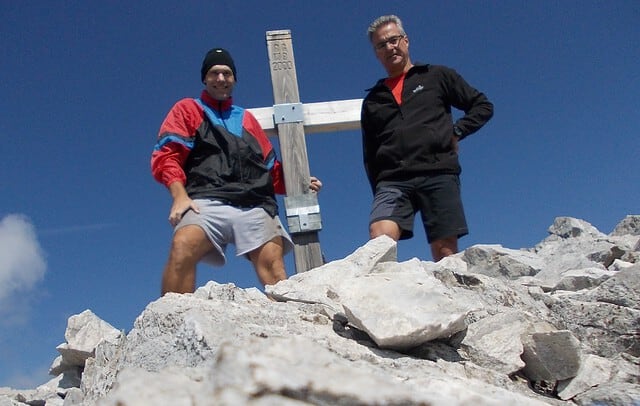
[391, 48]
[219, 82]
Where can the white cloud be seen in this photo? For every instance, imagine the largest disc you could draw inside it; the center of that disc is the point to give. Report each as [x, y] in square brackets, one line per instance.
[22, 263]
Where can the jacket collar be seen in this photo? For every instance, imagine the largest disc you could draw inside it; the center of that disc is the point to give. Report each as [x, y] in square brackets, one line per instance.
[416, 67]
[219, 105]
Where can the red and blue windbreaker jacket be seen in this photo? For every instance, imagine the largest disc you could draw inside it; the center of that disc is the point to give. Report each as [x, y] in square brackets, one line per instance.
[218, 151]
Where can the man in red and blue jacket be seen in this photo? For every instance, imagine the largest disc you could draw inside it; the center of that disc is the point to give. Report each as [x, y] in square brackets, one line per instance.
[222, 173]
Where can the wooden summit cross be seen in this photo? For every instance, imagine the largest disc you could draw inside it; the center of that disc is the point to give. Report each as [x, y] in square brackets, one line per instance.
[289, 120]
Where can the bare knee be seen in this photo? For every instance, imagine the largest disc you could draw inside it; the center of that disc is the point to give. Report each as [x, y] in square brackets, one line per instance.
[271, 272]
[274, 270]
[188, 246]
[182, 249]
[268, 262]
[384, 227]
[444, 247]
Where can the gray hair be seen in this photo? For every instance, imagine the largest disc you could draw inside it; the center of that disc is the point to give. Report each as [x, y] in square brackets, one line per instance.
[380, 21]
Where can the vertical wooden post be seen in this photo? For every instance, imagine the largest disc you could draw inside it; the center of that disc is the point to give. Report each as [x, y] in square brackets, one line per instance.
[301, 204]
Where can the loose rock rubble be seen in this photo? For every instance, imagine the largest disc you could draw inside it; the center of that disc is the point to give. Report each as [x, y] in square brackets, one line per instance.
[556, 324]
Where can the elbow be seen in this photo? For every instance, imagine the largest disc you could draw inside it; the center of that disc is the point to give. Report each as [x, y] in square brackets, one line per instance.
[488, 110]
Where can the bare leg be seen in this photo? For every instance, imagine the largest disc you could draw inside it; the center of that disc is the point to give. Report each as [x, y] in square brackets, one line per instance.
[444, 247]
[384, 227]
[189, 245]
[268, 262]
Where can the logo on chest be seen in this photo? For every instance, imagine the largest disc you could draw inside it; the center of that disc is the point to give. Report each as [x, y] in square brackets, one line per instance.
[418, 89]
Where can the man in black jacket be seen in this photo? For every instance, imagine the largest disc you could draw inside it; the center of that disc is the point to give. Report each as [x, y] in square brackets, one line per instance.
[410, 142]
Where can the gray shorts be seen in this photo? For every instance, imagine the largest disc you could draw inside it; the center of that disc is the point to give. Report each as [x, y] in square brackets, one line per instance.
[436, 197]
[246, 228]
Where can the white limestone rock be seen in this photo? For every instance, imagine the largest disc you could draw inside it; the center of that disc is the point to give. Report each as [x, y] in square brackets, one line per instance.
[496, 261]
[622, 289]
[171, 386]
[630, 225]
[603, 329]
[568, 227]
[74, 397]
[551, 356]
[305, 371]
[593, 371]
[619, 265]
[319, 285]
[84, 332]
[578, 279]
[402, 306]
[494, 342]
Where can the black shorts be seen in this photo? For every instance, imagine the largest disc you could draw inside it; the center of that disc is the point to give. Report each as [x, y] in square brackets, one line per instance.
[437, 198]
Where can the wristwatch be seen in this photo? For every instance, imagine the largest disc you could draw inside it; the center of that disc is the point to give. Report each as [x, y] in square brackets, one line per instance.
[457, 131]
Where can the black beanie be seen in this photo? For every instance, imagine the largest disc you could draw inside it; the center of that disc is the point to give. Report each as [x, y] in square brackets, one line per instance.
[217, 56]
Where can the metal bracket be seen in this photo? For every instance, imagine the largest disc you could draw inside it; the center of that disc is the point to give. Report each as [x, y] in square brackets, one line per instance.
[288, 113]
[303, 213]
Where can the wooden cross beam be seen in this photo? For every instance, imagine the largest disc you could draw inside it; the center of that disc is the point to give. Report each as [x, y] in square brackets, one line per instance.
[322, 117]
[290, 119]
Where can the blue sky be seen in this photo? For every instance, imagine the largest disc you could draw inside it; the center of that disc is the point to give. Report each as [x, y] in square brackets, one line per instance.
[85, 85]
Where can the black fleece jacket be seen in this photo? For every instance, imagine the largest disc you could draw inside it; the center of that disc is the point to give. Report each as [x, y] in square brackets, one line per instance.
[415, 138]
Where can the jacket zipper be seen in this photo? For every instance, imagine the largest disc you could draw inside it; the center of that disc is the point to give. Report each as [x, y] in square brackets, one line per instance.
[237, 142]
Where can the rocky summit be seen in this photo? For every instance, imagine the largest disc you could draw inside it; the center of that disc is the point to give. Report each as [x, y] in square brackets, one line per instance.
[555, 324]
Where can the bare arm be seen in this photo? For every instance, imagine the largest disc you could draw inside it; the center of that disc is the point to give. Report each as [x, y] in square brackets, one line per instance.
[181, 203]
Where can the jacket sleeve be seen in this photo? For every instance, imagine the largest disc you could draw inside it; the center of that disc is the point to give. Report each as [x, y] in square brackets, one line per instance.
[251, 124]
[277, 174]
[476, 106]
[368, 147]
[175, 141]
